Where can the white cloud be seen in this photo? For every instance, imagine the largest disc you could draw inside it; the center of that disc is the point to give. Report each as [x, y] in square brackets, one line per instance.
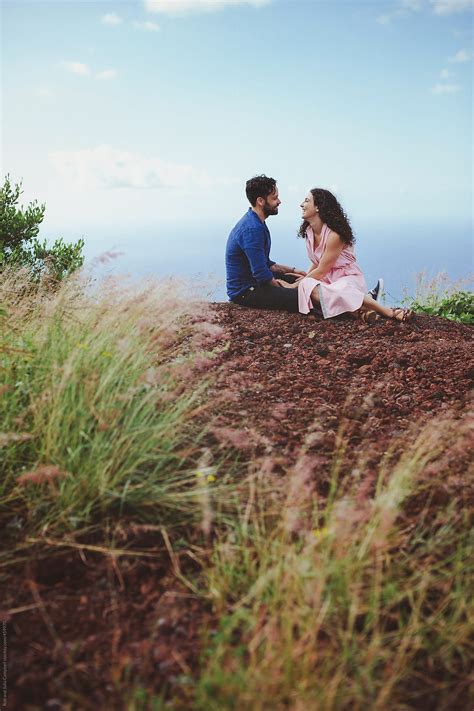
[464, 55]
[405, 9]
[77, 68]
[183, 7]
[462, 34]
[445, 74]
[445, 88]
[44, 92]
[449, 7]
[106, 74]
[108, 167]
[84, 70]
[147, 26]
[112, 19]
[413, 5]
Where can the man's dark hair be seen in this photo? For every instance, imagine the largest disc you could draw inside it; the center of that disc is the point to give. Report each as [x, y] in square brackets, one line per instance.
[259, 186]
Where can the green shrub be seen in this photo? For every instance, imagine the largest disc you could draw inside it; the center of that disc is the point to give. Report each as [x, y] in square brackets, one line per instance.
[19, 243]
[441, 296]
[456, 307]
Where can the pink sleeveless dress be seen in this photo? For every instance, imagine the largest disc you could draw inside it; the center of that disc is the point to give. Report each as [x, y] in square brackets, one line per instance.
[342, 289]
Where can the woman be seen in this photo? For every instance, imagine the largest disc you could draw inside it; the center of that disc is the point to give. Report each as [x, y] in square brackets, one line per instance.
[334, 279]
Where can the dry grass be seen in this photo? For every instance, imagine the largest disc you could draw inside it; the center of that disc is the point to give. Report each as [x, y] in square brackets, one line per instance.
[353, 602]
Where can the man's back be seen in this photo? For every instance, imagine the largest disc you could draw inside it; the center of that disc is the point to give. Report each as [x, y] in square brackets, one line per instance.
[247, 255]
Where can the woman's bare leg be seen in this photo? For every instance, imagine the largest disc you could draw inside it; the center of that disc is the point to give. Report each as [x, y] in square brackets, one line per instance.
[368, 304]
[315, 296]
[398, 314]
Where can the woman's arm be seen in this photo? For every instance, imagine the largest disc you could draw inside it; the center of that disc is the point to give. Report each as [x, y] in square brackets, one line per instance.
[332, 250]
[284, 269]
[301, 275]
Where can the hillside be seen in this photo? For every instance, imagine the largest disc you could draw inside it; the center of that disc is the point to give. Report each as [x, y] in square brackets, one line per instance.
[288, 376]
[296, 405]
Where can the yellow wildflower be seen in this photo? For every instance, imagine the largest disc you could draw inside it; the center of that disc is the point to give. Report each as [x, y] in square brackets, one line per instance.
[319, 533]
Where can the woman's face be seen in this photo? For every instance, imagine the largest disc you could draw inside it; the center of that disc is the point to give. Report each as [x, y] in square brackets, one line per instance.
[308, 208]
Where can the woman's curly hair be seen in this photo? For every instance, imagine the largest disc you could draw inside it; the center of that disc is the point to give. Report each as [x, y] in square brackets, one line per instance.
[332, 214]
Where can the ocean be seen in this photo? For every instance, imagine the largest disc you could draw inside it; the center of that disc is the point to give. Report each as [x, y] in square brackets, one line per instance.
[195, 253]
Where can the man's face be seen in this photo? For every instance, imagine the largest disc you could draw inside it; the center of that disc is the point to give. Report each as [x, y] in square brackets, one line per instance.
[271, 203]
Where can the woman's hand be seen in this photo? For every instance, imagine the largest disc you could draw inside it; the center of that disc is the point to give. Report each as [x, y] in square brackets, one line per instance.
[285, 284]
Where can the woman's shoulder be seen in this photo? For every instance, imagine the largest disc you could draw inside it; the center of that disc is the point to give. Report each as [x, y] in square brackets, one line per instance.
[332, 236]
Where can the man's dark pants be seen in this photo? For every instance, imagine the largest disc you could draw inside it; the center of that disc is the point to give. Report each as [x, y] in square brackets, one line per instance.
[267, 296]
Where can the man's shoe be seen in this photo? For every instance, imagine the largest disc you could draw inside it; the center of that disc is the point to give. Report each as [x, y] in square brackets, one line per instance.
[377, 292]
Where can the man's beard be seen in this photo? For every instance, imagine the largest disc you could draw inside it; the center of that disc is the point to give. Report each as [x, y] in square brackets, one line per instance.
[267, 210]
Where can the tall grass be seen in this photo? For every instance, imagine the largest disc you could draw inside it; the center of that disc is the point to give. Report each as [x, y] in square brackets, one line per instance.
[357, 601]
[101, 389]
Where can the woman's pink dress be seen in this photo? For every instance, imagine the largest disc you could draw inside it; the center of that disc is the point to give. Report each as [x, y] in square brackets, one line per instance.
[342, 289]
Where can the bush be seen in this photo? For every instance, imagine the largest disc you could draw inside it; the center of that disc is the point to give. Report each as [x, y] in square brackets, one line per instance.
[456, 307]
[19, 244]
[441, 297]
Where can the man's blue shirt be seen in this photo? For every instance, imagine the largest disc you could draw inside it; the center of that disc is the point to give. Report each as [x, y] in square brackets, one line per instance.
[247, 256]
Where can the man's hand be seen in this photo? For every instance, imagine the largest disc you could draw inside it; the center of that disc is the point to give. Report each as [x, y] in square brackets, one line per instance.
[298, 272]
[295, 281]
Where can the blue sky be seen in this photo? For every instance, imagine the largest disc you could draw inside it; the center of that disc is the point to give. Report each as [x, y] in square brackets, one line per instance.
[129, 116]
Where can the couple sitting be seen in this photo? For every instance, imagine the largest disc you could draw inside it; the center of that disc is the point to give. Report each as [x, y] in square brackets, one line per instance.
[333, 282]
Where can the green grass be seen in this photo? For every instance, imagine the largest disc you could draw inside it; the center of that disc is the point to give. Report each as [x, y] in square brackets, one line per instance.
[100, 396]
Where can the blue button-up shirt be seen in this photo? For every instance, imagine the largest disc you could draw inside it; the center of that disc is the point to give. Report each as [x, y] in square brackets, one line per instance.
[247, 257]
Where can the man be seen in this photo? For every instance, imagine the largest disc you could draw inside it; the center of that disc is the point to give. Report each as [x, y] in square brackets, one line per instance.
[251, 274]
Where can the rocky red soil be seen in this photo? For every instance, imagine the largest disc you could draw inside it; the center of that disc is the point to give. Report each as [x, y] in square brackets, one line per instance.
[292, 380]
[81, 624]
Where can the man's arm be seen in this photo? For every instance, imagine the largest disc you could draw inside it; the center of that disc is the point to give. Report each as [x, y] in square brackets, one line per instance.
[252, 242]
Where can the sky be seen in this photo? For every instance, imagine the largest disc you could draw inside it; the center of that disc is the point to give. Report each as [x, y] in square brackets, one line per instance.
[138, 123]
